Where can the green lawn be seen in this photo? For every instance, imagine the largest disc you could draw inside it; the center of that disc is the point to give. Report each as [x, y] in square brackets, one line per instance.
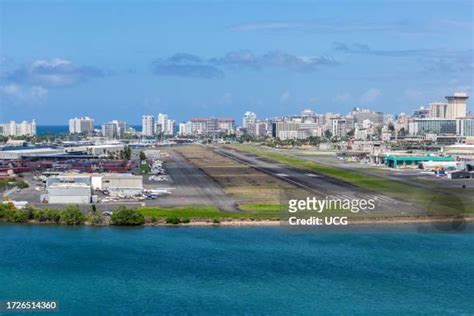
[260, 207]
[203, 212]
[437, 202]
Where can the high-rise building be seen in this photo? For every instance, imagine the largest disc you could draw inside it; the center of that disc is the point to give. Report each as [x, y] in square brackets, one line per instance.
[285, 130]
[18, 129]
[148, 125]
[361, 115]
[212, 126]
[82, 125]
[164, 125]
[226, 125]
[338, 127]
[422, 112]
[199, 125]
[171, 127]
[457, 106]
[122, 127]
[185, 129]
[249, 119]
[110, 130]
[261, 128]
[438, 109]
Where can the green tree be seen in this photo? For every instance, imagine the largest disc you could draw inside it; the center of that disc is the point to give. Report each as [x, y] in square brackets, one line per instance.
[128, 153]
[391, 127]
[72, 215]
[16, 216]
[21, 184]
[40, 215]
[127, 217]
[172, 220]
[53, 215]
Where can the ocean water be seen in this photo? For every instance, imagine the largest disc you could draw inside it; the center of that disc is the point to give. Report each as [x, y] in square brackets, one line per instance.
[64, 129]
[234, 271]
[52, 129]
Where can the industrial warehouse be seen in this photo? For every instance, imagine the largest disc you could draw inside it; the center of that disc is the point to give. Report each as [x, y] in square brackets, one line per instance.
[82, 173]
[83, 188]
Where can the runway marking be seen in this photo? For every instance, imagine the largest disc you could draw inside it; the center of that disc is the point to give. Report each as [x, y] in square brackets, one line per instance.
[281, 175]
[312, 175]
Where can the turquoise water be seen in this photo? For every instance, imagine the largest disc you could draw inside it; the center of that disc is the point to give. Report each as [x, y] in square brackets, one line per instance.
[237, 270]
[64, 129]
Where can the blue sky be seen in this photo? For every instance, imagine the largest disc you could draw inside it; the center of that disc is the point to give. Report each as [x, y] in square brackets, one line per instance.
[121, 59]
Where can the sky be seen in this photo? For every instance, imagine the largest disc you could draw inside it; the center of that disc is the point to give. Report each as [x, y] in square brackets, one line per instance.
[123, 59]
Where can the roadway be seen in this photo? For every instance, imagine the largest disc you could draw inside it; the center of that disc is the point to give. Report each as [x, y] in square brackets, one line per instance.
[318, 184]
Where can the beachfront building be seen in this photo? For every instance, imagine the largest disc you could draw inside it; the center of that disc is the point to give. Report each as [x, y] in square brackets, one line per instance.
[148, 125]
[18, 129]
[81, 125]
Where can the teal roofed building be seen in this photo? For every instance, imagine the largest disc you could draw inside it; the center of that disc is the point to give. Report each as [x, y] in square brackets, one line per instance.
[397, 161]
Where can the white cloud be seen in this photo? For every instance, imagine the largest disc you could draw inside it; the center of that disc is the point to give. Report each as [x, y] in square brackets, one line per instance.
[370, 95]
[17, 93]
[56, 72]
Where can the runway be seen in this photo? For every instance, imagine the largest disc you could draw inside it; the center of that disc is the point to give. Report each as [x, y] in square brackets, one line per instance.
[318, 184]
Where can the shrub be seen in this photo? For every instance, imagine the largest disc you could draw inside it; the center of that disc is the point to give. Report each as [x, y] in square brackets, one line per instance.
[185, 220]
[127, 217]
[216, 221]
[72, 215]
[16, 216]
[172, 220]
[4, 208]
[40, 215]
[53, 215]
[30, 212]
[94, 217]
[154, 219]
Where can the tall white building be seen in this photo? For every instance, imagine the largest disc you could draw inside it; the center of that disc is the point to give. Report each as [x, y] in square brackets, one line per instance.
[164, 124]
[162, 120]
[82, 125]
[438, 109]
[18, 129]
[338, 127]
[457, 106]
[148, 125]
[249, 120]
[122, 127]
[185, 129]
[110, 130]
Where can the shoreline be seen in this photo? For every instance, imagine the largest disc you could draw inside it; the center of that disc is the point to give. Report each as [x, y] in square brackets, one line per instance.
[409, 220]
[277, 222]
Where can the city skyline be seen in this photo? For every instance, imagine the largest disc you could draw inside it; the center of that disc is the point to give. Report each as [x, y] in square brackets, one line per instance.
[224, 59]
[410, 112]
